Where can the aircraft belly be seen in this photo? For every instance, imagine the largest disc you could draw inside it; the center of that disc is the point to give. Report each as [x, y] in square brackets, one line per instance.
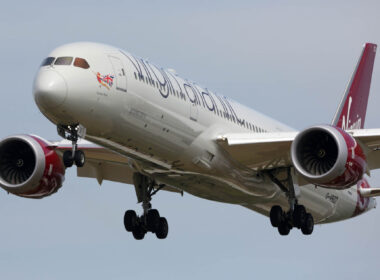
[326, 205]
[315, 201]
[321, 203]
[219, 188]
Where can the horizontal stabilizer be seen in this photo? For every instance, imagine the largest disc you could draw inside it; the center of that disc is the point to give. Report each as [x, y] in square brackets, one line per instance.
[369, 192]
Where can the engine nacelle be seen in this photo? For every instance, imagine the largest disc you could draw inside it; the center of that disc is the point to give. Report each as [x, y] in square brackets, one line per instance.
[328, 156]
[29, 167]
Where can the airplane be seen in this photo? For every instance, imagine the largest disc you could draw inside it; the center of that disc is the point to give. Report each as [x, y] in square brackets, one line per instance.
[124, 119]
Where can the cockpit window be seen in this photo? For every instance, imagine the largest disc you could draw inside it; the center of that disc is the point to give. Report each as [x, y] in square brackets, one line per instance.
[47, 61]
[82, 63]
[64, 60]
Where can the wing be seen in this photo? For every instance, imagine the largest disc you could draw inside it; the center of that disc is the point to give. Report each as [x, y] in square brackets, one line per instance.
[259, 151]
[272, 150]
[369, 139]
[103, 164]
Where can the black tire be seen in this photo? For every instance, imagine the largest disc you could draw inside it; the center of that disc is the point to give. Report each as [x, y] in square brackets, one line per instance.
[308, 226]
[68, 159]
[130, 220]
[153, 220]
[138, 233]
[163, 229]
[299, 216]
[79, 158]
[276, 216]
[284, 228]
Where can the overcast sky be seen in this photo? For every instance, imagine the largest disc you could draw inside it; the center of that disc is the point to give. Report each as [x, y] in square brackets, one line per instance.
[288, 59]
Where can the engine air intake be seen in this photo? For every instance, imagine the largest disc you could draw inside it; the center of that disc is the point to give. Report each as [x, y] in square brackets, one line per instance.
[29, 167]
[17, 161]
[317, 152]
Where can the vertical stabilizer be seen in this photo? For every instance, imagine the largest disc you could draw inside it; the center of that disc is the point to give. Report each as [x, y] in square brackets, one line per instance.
[352, 109]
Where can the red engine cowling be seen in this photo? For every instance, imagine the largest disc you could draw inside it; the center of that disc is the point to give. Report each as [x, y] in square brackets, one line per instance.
[29, 167]
[328, 156]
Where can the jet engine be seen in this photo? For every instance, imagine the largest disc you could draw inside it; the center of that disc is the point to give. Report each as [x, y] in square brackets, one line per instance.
[29, 167]
[328, 156]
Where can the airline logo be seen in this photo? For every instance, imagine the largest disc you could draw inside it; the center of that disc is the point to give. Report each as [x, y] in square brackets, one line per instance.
[105, 80]
[346, 122]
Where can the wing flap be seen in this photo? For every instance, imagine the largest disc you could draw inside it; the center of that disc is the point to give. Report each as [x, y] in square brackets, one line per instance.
[103, 170]
[103, 164]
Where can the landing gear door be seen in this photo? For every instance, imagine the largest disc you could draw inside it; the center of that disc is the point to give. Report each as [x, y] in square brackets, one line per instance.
[121, 78]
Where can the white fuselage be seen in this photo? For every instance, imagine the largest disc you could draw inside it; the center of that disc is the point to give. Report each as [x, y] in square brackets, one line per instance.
[167, 126]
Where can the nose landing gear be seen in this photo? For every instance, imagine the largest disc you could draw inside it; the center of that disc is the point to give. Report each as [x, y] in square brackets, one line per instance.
[150, 220]
[72, 133]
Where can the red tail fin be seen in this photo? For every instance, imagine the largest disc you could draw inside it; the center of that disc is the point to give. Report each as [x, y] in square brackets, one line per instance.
[352, 109]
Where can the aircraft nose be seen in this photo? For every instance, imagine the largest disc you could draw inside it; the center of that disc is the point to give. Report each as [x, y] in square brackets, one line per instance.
[50, 89]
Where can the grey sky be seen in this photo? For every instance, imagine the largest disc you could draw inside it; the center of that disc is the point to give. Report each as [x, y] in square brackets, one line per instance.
[288, 59]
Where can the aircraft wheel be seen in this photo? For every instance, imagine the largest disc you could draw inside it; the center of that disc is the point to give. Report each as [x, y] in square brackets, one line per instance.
[276, 215]
[130, 220]
[79, 158]
[308, 226]
[153, 220]
[284, 228]
[68, 159]
[299, 216]
[138, 233]
[163, 229]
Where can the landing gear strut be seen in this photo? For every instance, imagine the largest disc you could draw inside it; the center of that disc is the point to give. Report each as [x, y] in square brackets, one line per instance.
[150, 220]
[296, 216]
[72, 133]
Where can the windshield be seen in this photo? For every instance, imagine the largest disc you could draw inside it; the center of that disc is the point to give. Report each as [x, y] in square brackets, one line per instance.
[47, 61]
[81, 62]
[64, 60]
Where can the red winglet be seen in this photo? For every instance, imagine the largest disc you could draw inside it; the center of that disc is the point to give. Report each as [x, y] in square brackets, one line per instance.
[352, 109]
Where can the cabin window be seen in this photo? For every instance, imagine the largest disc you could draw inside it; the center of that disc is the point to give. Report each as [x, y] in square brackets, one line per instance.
[81, 62]
[47, 61]
[64, 60]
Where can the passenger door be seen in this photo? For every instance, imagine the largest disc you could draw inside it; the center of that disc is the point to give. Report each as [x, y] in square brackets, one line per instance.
[121, 78]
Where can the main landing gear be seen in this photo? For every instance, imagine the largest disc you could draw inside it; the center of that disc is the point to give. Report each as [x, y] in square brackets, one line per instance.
[150, 220]
[72, 133]
[297, 215]
[285, 221]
